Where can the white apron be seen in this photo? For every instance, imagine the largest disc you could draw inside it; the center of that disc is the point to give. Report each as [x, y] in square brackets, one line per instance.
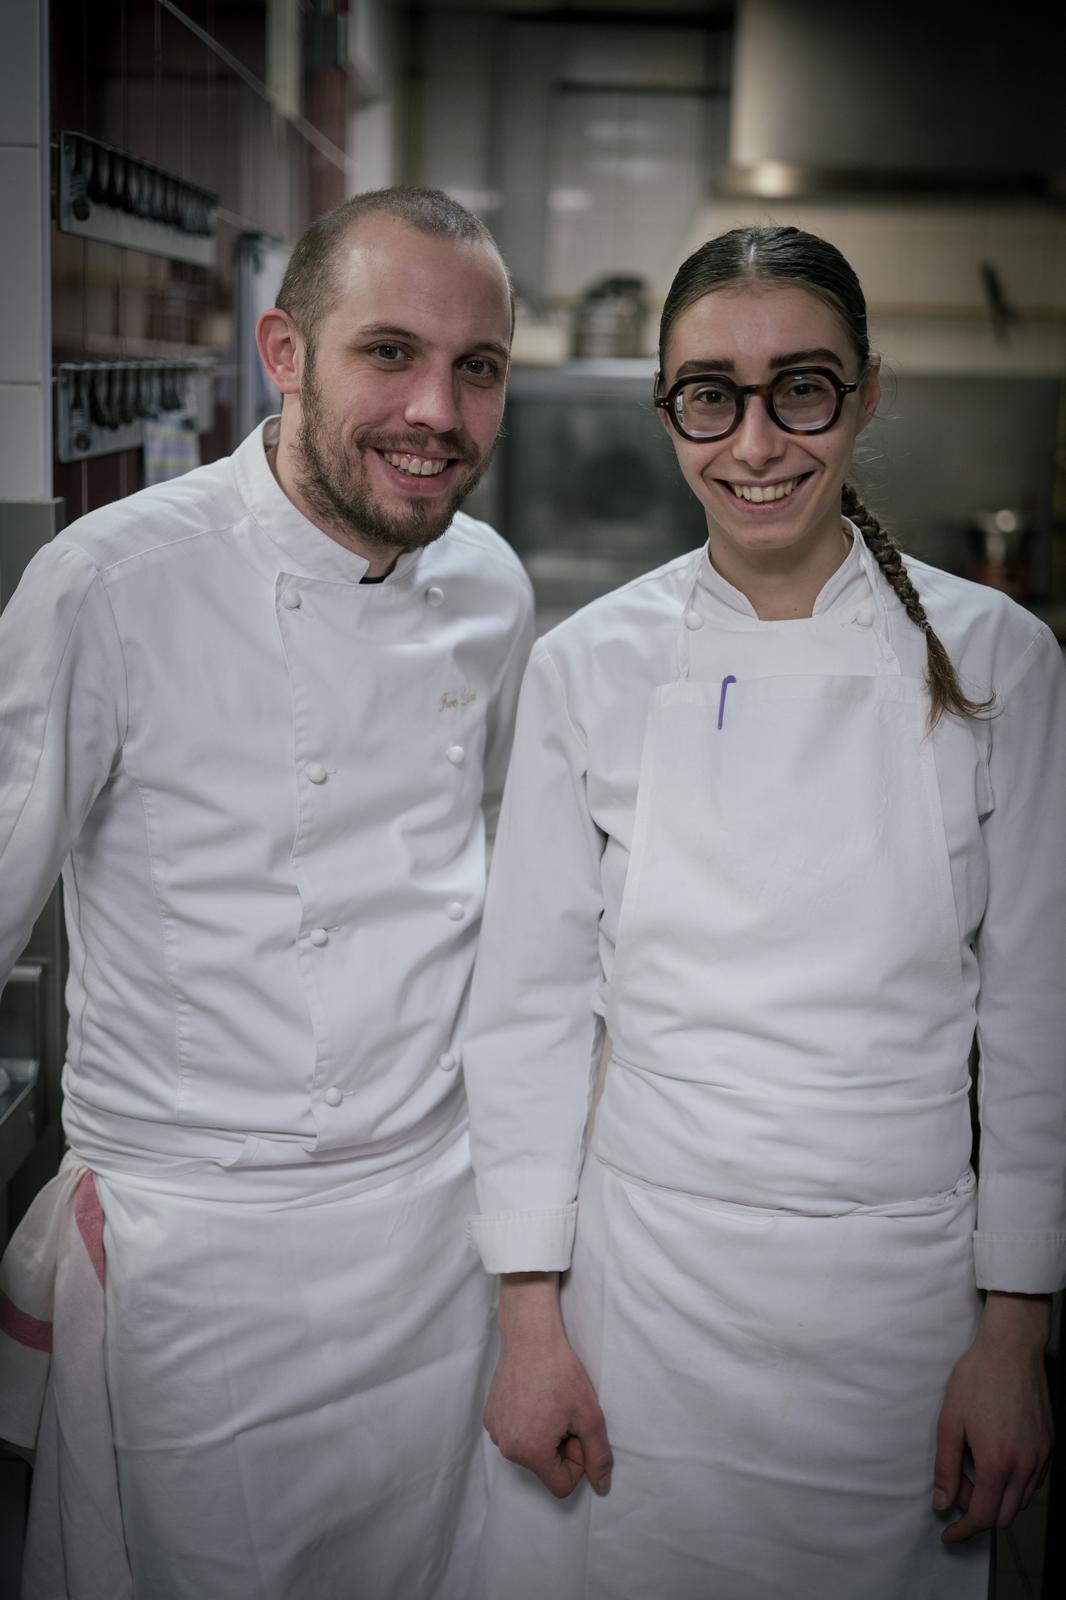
[320, 1444]
[773, 1271]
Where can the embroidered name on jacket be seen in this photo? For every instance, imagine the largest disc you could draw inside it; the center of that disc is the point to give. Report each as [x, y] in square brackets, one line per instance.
[451, 702]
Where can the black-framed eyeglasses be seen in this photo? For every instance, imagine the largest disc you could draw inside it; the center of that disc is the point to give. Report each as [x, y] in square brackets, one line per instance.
[707, 405]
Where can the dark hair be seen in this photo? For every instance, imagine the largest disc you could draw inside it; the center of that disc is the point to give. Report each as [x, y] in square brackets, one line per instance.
[787, 256]
[309, 286]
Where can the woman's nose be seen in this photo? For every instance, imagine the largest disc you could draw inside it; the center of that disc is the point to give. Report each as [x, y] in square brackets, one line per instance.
[757, 440]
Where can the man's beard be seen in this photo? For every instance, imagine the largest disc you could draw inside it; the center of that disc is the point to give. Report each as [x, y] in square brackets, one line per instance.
[331, 486]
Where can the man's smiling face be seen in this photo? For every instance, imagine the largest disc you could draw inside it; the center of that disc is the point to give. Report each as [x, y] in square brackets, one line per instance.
[402, 386]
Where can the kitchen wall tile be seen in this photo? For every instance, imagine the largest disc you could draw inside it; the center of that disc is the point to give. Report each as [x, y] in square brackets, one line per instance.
[20, 103]
[626, 171]
[24, 425]
[22, 305]
[454, 146]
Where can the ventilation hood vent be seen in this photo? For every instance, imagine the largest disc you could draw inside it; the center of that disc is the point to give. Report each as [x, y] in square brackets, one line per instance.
[798, 180]
[835, 99]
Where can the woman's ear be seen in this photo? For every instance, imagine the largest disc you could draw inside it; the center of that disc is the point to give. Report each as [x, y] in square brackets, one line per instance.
[660, 411]
[870, 393]
[281, 349]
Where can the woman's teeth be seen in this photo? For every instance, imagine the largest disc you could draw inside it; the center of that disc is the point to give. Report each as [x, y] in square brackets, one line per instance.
[418, 466]
[759, 493]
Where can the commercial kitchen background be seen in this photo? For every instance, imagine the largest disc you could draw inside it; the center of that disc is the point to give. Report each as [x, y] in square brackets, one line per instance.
[157, 159]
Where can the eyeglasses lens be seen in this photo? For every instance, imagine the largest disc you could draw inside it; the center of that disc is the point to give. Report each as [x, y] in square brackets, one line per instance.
[802, 400]
[705, 409]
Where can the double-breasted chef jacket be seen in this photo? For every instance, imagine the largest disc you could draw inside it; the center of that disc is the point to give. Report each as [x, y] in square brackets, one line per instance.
[737, 844]
[270, 788]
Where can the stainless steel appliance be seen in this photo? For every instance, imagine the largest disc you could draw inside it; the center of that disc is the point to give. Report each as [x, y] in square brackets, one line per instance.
[585, 484]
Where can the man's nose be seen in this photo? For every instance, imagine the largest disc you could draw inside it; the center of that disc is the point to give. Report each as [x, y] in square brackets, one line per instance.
[757, 440]
[432, 400]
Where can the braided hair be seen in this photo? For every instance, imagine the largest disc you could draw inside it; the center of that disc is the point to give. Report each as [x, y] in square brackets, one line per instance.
[803, 261]
[945, 691]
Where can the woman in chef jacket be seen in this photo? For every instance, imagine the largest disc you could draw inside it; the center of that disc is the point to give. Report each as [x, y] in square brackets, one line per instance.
[786, 817]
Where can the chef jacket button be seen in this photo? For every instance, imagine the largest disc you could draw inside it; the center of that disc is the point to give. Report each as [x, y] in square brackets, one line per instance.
[290, 599]
[448, 1061]
[456, 754]
[693, 620]
[864, 618]
[434, 596]
[316, 772]
[319, 936]
[455, 910]
[333, 1096]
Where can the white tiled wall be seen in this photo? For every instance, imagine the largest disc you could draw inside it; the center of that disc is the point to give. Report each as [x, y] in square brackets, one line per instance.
[454, 130]
[588, 153]
[584, 147]
[374, 46]
[21, 305]
[626, 172]
[25, 337]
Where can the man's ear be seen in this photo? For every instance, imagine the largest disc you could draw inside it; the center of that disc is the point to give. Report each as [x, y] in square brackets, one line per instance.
[281, 349]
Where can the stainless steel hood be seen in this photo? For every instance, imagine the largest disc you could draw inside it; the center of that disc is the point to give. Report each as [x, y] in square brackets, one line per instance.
[798, 180]
[958, 99]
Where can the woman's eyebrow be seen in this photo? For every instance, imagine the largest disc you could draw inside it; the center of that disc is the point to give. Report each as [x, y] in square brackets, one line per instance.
[705, 364]
[799, 358]
[794, 358]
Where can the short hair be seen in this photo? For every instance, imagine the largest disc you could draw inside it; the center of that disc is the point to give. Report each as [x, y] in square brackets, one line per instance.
[309, 287]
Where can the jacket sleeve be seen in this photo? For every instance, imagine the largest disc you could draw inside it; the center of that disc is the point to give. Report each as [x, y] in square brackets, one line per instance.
[1020, 1244]
[501, 723]
[62, 721]
[533, 1040]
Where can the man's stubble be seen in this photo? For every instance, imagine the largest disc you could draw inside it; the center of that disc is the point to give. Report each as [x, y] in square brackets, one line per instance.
[336, 489]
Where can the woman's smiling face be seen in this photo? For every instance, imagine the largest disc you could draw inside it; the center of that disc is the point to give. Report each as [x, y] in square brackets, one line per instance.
[749, 334]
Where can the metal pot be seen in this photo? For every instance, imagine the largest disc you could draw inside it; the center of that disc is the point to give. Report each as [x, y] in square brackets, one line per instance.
[999, 549]
[610, 318]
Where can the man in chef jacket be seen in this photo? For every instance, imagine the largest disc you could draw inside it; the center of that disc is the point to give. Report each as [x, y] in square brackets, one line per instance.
[260, 716]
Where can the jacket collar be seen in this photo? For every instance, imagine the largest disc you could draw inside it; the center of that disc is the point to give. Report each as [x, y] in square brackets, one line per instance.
[308, 551]
[846, 586]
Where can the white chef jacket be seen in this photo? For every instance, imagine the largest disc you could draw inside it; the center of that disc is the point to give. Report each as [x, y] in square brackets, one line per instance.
[566, 830]
[269, 788]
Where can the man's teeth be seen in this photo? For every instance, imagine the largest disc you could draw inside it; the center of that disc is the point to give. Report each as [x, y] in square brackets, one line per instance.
[759, 493]
[418, 466]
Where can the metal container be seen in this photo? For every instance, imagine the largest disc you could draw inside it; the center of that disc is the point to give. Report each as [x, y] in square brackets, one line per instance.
[610, 318]
[999, 549]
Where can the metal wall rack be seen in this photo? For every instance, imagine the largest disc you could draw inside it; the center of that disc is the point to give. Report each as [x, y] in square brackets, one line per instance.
[105, 194]
[102, 406]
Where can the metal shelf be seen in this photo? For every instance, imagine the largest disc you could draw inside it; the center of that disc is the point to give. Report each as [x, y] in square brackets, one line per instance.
[108, 195]
[102, 406]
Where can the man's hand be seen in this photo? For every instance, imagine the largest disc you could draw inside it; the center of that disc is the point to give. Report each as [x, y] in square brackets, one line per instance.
[542, 1410]
[997, 1405]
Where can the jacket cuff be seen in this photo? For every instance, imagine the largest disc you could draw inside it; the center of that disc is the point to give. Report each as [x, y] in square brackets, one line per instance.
[524, 1241]
[1020, 1263]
